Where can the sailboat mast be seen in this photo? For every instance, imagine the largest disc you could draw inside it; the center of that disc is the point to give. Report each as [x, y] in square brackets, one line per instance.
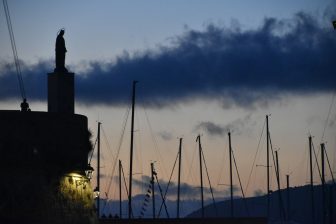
[323, 184]
[98, 170]
[131, 155]
[288, 198]
[153, 194]
[311, 178]
[231, 186]
[201, 173]
[279, 185]
[267, 167]
[120, 207]
[179, 180]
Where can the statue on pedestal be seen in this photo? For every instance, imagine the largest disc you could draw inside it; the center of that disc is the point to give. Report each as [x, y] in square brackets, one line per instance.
[60, 52]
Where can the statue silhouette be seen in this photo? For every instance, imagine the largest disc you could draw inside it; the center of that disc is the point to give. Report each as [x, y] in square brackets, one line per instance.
[60, 53]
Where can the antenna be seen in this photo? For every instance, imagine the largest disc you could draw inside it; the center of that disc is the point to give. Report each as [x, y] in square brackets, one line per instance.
[24, 104]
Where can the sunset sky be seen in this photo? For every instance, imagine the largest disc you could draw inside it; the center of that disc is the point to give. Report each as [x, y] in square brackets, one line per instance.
[204, 67]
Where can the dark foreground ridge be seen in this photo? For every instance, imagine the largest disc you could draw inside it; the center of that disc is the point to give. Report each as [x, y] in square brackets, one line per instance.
[257, 220]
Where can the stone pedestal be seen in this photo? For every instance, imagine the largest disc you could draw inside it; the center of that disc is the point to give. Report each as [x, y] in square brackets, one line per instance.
[61, 92]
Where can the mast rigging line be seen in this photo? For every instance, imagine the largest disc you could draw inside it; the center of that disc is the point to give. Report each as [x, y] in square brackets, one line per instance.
[222, 167]
[15, 54]
[316, 164]
[255, 157]
[123, 174]
[171, 175]
[162, 197]
[119, 147]
[107, 142]
[241, 187]
[277, 173]
[93, 148]
[212, 195]
[154, 140]
[331, 173]
[326, 122]
[110, 175]
[190, 173]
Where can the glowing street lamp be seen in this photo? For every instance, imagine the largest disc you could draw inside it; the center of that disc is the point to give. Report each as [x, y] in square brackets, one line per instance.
[88, 171]
[96, 192]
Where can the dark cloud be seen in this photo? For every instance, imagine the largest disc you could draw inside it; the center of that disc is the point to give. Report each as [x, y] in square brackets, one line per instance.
[239, 67]
[211, 128]
[238, 126]
[165, 135]
[258, 192]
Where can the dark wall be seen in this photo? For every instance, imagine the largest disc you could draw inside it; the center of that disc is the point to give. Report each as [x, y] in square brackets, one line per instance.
[37, 149]
[53, 142]
[61, 92]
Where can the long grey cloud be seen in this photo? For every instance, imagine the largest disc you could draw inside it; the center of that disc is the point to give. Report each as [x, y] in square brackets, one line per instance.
[237, 126]
[239, 67]
[187, 191]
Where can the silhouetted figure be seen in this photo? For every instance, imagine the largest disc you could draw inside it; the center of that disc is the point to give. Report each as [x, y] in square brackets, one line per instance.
[25, 106]
[334, 24]
[60, 53]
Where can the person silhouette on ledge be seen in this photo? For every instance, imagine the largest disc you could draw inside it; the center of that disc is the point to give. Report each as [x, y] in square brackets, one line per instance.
[60, 52]
[24, 106]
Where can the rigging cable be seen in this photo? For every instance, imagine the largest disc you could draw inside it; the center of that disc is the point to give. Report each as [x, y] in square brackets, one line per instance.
[316, 164]
[123, 174]
[190, 174]
[277, 173]
[155, 142]
[162, 197]
[107, 142]
[222, 167]
[332, 175]
[93, 148]
[15, 54]
[326, 122]
[171, 175]
[255, 157]
[241, 187]
[212, 195]
[119, 146]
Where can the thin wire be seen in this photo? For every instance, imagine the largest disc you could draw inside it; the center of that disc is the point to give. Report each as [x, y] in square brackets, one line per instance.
[155, 142]
[94, 146]
[255, 157]
[107, 142]
[190, 174]
[316, 164]
[171, 174]
[119, 145]
[241, 187]
[16, 58]
[332, 175]
[122, 170]
[326, 122]
[163, 199]
[212, 195]
[222, 167]
[277, 173]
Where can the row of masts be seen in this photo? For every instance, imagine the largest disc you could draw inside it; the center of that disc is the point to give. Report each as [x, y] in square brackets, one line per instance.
[285, 215]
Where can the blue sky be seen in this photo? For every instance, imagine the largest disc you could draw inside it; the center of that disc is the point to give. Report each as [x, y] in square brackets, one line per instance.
[103, 29]
[203, 66]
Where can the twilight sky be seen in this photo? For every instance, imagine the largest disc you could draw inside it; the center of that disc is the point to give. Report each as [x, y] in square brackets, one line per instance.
[203, 67]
